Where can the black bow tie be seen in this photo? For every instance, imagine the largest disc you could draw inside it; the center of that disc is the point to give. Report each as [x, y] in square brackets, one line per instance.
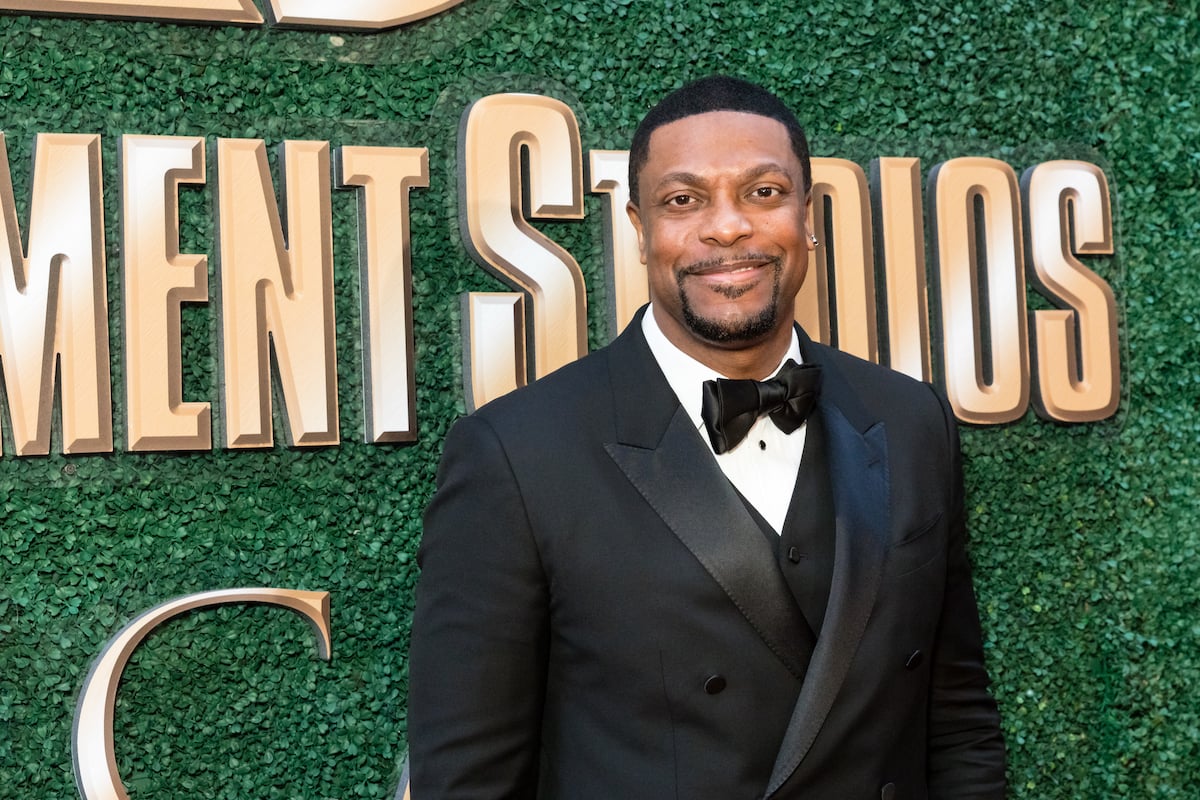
[731, 407]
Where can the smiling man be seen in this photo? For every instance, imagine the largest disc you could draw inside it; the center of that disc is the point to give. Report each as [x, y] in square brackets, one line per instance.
[715, 559]
[722, 220]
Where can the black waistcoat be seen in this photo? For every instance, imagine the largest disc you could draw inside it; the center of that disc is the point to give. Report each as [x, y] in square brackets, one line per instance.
[805, 548]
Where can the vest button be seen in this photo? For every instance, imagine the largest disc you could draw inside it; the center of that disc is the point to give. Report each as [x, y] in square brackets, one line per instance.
[794, 555]
[715, 684]
[914, 660]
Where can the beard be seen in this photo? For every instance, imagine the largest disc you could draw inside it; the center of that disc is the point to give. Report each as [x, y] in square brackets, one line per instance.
[746, 328]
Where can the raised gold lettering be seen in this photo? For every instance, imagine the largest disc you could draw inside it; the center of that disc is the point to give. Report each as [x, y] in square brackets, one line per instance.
[227, 11]
[92, 742]
[385, 176]
[628, 289]
[1076, 363]
[276, 297]
[156, 280]
[845, 259]
[54, 304]
[981, 289]
[374, 15]
[494, 363]
[900, 249]
[498, 132]
[366, 15]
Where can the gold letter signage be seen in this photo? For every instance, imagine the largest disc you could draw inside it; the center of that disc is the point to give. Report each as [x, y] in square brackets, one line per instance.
[386, 175]
[53, 303]
[900, 249]
[841, 186]
[157, 278]
[276, 296]
[979, 265]
[497, 134]
[1077, 369]
[519, 160]
[92, 743]
[370, 15]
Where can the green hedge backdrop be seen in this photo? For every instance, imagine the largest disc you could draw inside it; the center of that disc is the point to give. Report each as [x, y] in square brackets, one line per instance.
[1084, 537]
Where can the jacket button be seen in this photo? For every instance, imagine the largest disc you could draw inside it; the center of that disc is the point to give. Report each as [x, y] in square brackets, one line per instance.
[888, 792]
[715, 684]
[914, 660]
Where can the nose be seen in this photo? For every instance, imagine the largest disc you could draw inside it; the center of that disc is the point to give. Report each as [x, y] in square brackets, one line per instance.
[725, 222]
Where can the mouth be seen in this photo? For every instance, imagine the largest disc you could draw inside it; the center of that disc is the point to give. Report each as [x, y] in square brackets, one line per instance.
[731, 278]
[732, 267]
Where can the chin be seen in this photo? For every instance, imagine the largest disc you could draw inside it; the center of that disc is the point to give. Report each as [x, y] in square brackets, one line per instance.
[743, 328]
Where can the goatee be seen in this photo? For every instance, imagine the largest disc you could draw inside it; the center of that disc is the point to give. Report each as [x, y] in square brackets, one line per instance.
[744, 329]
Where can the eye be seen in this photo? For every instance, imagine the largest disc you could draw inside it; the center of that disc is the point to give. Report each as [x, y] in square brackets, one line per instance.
[766, 192]
[680, 200]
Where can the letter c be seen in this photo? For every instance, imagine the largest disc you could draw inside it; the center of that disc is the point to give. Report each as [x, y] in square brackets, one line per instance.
[92, 745]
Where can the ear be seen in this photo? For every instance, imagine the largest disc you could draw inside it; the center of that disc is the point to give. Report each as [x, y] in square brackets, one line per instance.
[635, 217]
[809, 225]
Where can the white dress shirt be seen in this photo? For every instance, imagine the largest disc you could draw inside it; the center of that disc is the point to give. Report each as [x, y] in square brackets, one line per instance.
[763, 466]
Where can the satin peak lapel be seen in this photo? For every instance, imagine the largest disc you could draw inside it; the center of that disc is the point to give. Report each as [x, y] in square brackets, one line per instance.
[859, 473]
[683, 484]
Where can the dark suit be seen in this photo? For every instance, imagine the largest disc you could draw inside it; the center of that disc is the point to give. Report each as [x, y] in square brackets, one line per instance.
[600, 615]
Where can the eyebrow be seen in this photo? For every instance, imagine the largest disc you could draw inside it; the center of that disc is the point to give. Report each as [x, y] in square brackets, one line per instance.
[693, 179]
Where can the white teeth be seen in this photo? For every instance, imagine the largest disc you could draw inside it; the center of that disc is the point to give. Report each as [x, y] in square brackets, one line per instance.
[725, 270]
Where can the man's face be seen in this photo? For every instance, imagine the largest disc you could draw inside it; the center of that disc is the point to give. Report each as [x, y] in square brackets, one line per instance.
[722, 223]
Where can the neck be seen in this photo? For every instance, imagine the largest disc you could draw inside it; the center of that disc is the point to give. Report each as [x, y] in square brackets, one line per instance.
[754, 360]
[756, 364]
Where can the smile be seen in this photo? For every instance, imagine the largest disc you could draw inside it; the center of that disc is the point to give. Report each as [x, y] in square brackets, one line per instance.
[730, 266]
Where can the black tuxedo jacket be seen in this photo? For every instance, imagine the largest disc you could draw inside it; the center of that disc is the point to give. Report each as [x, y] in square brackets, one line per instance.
[600, 616]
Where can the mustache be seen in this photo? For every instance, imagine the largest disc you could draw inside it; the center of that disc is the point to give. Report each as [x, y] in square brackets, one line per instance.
[716, 264]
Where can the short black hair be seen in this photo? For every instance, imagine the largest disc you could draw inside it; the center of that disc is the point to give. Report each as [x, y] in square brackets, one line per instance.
[715, 93]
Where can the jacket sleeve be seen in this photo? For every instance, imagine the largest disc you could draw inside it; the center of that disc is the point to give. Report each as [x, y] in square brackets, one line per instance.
[479, 633]
[966, 746]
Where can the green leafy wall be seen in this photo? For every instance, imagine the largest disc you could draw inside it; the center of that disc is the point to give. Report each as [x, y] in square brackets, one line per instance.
[1084, 537]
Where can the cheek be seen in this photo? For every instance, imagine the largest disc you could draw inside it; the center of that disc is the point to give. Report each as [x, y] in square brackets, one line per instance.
[793, 241]
[788, 230]
[665, 243]
[661, 262]
[789, 238]
[661, 280]
[799, 273]
[659, 253]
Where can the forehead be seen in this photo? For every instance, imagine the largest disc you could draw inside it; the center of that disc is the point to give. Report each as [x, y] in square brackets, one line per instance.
[718, 141]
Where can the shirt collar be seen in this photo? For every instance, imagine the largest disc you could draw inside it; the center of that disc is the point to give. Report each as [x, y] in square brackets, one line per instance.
[685, 374]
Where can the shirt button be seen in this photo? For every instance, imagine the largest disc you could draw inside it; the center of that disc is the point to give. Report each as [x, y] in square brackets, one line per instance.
[715, 684]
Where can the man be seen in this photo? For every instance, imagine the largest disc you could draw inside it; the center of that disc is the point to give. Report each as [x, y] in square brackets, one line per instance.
[621, 598]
